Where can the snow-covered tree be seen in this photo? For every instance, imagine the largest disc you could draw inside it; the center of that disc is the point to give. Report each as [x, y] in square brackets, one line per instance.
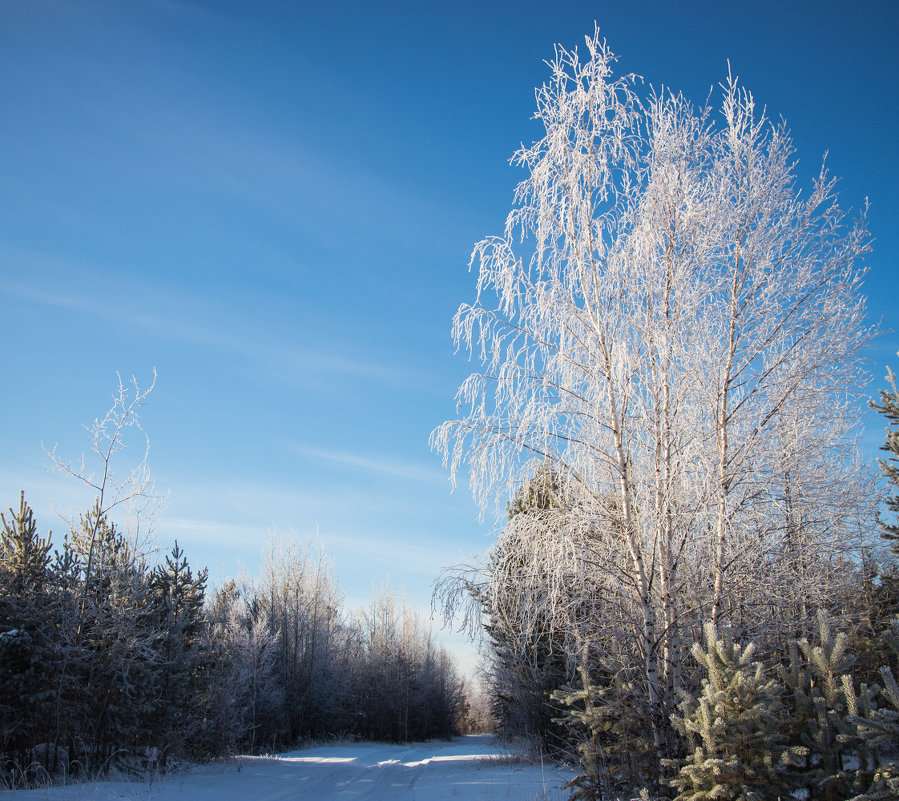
[177, 596]
[889, 408]
[735, 727]
[878, 729]
[26, 641]
[526, 662]
[675, 328]
[132, 494]
[246, 697]
[302, 601]
[821, 700]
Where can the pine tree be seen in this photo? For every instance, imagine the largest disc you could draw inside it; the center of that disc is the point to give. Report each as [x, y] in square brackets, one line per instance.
[529, 661]
[735, 727]
[590, 784]
[871, 605]
[112, 657]
[178, 597]
[24, 554]
[828, 716]
[878, 729]
[889, 408]
[610, 732]
[884, 725]
[829, 699]
[26, 650]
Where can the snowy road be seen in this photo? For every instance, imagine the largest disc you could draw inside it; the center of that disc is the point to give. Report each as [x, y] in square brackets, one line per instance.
[475, 768]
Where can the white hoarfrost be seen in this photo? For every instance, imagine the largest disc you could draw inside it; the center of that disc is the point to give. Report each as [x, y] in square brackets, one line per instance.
[674, 330]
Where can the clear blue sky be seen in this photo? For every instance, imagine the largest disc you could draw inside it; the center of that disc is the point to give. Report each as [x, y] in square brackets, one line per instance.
[273, 204]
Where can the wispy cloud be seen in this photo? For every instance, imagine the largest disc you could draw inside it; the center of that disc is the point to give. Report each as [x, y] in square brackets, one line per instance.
[207, 532]
[336, 198]
[379, 463]
[352, 516]
[48, 280]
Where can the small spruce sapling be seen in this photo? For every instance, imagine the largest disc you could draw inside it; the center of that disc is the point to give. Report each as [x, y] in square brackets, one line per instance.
[582, 714]
[740, 752]
[878, 729]
[828, 731]
[611, 734]
[889, 408]
[24, 554]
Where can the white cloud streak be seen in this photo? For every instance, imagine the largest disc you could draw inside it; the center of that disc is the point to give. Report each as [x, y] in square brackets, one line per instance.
[374, 464]
[188, 320]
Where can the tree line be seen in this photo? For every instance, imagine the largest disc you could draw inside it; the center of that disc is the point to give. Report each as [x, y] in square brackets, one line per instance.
[108, 660]
[671, 336]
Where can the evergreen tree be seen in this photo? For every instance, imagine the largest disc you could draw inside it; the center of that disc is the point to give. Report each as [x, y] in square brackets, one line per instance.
[822, 701]
[610, 732]
[26, 648]
[878, 729]
[112, 660]
[24, 554]
[881, 730]
[178, 597]
[871, 605]
[594, 777]
[830, 723]
[528, 663]
[889, 408]
[735, 727]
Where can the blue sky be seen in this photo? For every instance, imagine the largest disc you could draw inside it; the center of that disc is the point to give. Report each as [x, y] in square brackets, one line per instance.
[274, 203]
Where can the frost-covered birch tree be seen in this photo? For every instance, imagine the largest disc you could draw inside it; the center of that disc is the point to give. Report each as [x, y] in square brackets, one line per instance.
[675, 328]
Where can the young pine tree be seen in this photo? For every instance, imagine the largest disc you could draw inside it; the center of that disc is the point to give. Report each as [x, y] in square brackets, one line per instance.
[610, 732]
[889, 408]
[24, 554]
[826, 705]
[735, 727]
[26, 647]
[879, 729]
[178, 597]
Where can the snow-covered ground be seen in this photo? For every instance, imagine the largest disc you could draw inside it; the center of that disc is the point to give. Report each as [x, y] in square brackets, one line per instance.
[474, 768]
